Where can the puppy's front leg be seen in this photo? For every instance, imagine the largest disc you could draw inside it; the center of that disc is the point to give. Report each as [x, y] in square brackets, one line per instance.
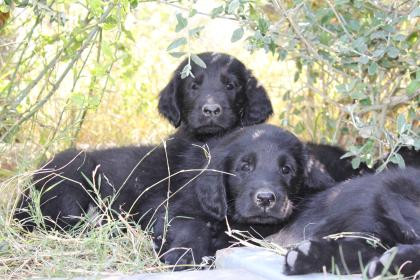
[188, 241]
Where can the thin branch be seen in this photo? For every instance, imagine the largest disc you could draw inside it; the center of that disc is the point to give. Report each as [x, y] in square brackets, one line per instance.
[396, 101]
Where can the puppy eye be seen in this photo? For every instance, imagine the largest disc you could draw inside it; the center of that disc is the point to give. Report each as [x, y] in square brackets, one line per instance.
[230, 86]
[245, 166]
[285, 170]
[194, 85]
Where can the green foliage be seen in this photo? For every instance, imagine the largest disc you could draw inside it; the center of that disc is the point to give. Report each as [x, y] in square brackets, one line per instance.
[357, 63]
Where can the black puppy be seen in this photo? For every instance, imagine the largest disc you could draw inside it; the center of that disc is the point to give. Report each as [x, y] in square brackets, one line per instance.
[341, 168]
[263, 172]
[385, 206]
[266, 172]
[220, 97]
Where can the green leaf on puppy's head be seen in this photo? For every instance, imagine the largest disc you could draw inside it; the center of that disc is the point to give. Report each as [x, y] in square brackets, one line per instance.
[197, 60]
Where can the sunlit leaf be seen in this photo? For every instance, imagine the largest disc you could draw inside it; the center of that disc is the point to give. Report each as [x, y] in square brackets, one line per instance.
[413, 86]
[355, 162]
[233, 5]
[217, 11]
[182, 22]
[197, 60]
[237, 34]
[177, 54]
[373, 68]
[398, 159]
[196, 31]
[177, 43]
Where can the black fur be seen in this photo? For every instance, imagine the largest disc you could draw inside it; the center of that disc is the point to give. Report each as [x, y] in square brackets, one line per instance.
[385, 206]
[225, 82]
[339, 168]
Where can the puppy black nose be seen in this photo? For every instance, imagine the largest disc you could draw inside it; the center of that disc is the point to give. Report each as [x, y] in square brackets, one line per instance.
[265, 199]
[212, 110]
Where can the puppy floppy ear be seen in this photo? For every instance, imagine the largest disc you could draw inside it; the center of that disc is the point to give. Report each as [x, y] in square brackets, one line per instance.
[257, 107]
[210, 190]
[317, 177]
[169, 105]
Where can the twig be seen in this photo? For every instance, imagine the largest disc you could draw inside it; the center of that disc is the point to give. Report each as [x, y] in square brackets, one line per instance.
[397, 100]
[340, 19]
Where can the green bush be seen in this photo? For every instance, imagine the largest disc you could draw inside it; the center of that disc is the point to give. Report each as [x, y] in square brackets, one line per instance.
[357, 63]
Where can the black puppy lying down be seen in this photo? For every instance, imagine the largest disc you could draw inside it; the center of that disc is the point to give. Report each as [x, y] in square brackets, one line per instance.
[385, 206]
[263, 172]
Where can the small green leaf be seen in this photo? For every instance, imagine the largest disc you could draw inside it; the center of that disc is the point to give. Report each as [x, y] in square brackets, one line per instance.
[392, 52]
[296, 76]
[378, 35]
[177, 54]
[177, 43]
[373, 68]
[358, 95]
[78, 99]
[129, 34]
[355, 162]
[186, 71]
[399, 37]
[401, 123]
[346, 155]
[217, 11]
[299, 128]
[182, 22]
[360, 45]
[282, 54]
[237, 34]
[324, 38]
[197, 60]
[363, 59]
[196, 31]
[192, 13]
[378, 53]
[413, 86]
[398, 159]
[234, 4]
[263, 25]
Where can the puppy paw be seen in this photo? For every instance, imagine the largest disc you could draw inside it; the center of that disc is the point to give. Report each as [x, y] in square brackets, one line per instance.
[179, 259]
[303, 258]
[402, 259]
[376, 265]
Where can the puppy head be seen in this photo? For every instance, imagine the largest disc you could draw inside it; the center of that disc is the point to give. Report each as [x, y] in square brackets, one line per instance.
[271, 174]
[218, 98]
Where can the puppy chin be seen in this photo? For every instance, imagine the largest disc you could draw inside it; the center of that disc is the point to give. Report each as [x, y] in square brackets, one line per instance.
[210, 129]
[260, 218]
